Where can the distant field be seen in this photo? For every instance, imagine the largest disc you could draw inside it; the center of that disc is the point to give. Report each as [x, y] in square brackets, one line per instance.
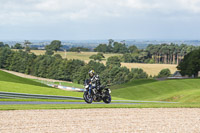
[151, 69]
[74, 55]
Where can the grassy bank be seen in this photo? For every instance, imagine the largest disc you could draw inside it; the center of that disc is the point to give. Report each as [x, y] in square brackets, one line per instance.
[179, 90]
[12, 83]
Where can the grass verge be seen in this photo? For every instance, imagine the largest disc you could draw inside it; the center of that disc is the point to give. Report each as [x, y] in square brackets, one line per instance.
[92, 106]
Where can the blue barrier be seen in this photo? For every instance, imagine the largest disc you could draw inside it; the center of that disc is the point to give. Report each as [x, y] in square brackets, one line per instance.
[66, 87]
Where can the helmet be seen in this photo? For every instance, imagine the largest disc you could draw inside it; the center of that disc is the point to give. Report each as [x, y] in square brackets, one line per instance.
[91, 73]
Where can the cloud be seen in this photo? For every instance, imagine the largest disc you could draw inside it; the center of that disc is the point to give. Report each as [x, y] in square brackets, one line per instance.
[13, 11]
[98, 17]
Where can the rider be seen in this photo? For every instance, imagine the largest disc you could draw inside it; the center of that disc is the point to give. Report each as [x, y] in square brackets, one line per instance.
[94, 81]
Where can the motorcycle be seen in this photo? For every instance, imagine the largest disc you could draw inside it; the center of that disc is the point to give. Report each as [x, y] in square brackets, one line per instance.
[97, 95]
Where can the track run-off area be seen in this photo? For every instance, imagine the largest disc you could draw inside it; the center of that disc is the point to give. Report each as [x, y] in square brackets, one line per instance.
[145, 120]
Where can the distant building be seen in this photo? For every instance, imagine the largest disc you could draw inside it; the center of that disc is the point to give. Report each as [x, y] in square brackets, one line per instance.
[177, 74]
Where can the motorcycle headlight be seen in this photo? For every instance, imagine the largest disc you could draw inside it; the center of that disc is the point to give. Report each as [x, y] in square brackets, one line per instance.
[86, 86]
[109, 91]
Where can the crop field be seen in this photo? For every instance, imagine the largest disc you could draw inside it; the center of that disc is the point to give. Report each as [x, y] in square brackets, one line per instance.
[151, 69]
[75, 55]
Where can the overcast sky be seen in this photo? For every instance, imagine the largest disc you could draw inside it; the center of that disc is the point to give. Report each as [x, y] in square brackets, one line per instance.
[99, 19]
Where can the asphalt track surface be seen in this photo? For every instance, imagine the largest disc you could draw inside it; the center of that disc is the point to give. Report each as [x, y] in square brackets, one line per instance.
[18, 102]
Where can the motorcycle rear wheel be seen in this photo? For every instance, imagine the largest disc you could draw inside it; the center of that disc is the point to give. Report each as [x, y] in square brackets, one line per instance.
[107, 99]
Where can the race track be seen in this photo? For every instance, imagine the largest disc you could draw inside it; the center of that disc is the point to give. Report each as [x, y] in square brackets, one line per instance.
[13, 103]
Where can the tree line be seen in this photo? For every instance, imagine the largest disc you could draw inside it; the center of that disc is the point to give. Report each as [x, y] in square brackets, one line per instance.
[55, 67]
[160, 53]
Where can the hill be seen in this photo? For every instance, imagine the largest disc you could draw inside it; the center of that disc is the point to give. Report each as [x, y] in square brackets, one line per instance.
[182, 90]
[12, 83]
[4, 76]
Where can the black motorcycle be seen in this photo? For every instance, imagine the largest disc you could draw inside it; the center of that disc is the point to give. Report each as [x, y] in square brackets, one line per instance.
[97, 95]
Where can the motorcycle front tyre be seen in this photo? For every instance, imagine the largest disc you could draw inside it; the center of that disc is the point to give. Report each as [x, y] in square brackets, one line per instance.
[87, 98]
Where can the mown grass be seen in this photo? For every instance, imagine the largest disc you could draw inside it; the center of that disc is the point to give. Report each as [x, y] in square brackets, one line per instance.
[90, 106]
[7, 77]
[12, 83]
[134, 83]
[179, 90]
[33, 89]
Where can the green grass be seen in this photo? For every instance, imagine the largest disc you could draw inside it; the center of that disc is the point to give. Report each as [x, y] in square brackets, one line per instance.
[12, 83]
[4, 76]
[88, 106]
[182, 90]
[35, 100]
[33, 89]
[133, 83]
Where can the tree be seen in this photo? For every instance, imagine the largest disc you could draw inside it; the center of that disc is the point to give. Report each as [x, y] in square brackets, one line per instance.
[58, 56]
[96, 66]
[27, 47]
[137, 73]
[49, 52]
[6, 45]
[190, 65]
[113, 61]
[101, 48]
[110, 41]
[17, 46]
[164, 73]
[78, 49]
[55, 45]
[133, 49]
[1, 44]
[119, 48]
[98, 57]
[127, 58]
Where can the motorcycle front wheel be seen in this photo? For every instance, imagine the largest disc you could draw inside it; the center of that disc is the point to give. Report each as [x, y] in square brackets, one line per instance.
[87, 98]
[107, 98]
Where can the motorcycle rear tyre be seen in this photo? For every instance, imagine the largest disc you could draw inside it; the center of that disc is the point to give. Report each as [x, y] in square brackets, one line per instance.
[107, 99]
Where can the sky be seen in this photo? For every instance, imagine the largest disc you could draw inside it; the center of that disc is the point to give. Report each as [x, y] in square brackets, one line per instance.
[99, 19]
